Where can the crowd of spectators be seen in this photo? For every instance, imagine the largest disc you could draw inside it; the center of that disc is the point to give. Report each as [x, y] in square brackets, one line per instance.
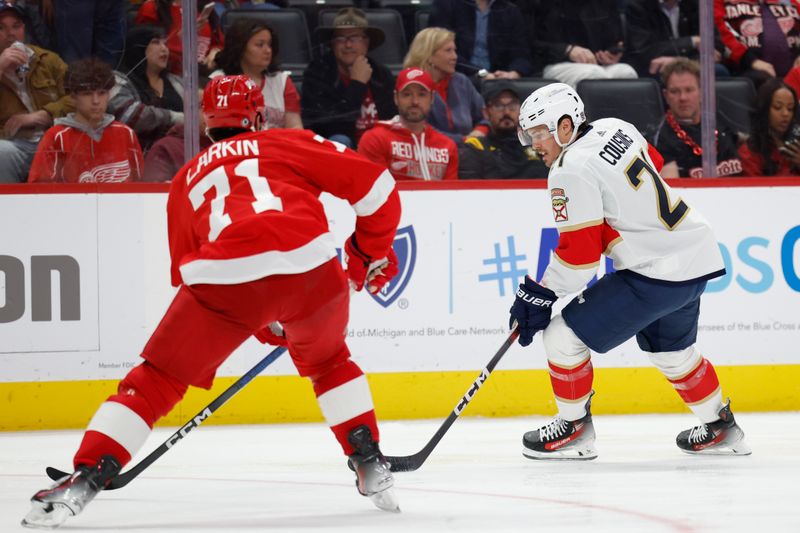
[439, 118]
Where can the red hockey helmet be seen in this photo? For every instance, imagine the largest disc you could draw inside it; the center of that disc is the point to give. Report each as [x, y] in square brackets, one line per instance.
[233, 102]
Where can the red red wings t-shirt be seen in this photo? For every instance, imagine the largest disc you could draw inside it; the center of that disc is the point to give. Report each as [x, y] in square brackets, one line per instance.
[248, 207]
[68, 154]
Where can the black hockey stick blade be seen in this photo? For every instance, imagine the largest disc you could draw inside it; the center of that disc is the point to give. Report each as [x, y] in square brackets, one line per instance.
[123, 478]
[409, 463]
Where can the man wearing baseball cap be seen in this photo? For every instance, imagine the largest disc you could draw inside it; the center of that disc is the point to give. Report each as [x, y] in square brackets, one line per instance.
[31, 94]
[407, 144]
[499, 155]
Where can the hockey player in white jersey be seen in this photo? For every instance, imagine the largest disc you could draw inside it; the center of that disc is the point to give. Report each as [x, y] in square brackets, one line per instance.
[609, 199]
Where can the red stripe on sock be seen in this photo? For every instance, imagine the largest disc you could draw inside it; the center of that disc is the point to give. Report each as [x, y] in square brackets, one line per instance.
[95, 445]
[338, 375]
[340, 431]
[572, 383]
[698, 384]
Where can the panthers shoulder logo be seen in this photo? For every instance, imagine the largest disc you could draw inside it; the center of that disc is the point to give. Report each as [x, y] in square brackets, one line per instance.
[559, 199]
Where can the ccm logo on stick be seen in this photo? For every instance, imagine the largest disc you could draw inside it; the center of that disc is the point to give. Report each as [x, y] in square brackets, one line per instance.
[479, 381]
[190, 425]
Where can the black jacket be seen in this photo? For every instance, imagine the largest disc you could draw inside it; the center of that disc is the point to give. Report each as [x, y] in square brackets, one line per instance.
[507, 41]
[650, 32]
[556, 24]
[494, 157]
[330, 107]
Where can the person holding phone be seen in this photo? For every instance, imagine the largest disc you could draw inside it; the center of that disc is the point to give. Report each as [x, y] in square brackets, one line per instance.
[578, 40]
[169, 15]
[773, 149]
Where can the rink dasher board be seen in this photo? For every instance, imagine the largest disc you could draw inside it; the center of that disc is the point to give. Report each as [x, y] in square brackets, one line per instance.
[105, 258]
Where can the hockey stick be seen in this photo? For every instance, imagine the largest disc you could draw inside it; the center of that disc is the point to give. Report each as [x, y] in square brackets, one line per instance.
[122, 479]
[409, 463]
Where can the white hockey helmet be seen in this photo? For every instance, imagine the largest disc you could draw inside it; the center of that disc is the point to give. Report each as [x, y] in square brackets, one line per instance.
[545, 106]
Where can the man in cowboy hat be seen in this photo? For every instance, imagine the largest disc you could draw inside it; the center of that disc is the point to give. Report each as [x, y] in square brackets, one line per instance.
[344, 92]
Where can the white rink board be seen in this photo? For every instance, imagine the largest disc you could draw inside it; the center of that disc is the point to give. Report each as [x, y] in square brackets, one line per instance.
[445, 318]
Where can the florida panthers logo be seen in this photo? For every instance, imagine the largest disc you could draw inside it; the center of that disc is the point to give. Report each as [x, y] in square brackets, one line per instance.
[405, 248]
[559, 199]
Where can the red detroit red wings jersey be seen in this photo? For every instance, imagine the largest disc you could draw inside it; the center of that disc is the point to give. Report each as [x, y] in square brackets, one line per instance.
[248, 207]
[67, 154]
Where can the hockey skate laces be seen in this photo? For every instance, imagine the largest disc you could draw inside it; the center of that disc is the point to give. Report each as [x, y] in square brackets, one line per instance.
[698, 433]
[554, 429]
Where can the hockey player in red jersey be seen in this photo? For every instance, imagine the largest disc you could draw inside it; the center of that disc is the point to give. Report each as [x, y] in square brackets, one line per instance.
[609, 199]
[250, 246]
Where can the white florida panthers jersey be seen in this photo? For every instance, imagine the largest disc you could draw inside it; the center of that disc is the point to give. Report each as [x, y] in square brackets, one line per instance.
[609, 199]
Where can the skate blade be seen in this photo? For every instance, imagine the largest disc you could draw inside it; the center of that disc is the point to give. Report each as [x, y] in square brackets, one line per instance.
[386, 500]
[46, 515]
[574, 454]
[736, 448]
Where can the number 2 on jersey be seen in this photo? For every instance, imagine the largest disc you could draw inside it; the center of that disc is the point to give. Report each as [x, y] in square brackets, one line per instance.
[670, 215]
[218, 180]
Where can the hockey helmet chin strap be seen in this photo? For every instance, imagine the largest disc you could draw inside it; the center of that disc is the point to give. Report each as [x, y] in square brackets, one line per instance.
[571, 137]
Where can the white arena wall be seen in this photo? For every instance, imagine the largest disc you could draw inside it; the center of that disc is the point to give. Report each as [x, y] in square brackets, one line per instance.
[84, 279]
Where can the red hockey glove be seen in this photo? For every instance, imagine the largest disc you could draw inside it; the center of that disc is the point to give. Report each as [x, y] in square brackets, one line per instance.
[271, 334]
[362, 269]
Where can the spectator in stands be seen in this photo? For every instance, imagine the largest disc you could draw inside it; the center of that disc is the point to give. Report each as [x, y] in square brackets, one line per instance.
[490, 35]
[344, 91]
[763, 36]
[150, 98]
[678, 139]
[223, 5]
[31, 94]
[773, 149]
[457, 107]
[88, 145]
[499, 155]
[168, 14]
[251, 48]
[36, 28]
[86, 28]
[659, 31]
[166, 156]
[407, 144]
[579, 39]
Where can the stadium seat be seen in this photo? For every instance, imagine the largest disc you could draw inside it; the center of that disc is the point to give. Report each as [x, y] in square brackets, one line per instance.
[393, 50]
[421, 20]
[637, 101]
[289, 24]
[735, 101]
[409, 11]
[311, 9]
[524, 86]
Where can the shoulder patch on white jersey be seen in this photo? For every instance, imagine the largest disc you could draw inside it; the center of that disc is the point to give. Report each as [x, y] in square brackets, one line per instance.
[559, 199]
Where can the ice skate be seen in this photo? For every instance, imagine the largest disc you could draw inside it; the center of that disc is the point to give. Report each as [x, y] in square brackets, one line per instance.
[723, 437]
[562, 439]
[70, 495]
[373, 477]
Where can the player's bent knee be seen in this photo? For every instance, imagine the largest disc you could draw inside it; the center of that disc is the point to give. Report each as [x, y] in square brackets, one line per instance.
[562, 346]
[160, 391]
[676, 364]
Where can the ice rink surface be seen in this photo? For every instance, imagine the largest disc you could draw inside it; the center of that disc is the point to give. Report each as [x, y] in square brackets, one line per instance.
[292, 478]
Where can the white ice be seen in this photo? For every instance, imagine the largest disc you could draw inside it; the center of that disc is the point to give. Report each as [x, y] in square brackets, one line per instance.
[293, 478]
